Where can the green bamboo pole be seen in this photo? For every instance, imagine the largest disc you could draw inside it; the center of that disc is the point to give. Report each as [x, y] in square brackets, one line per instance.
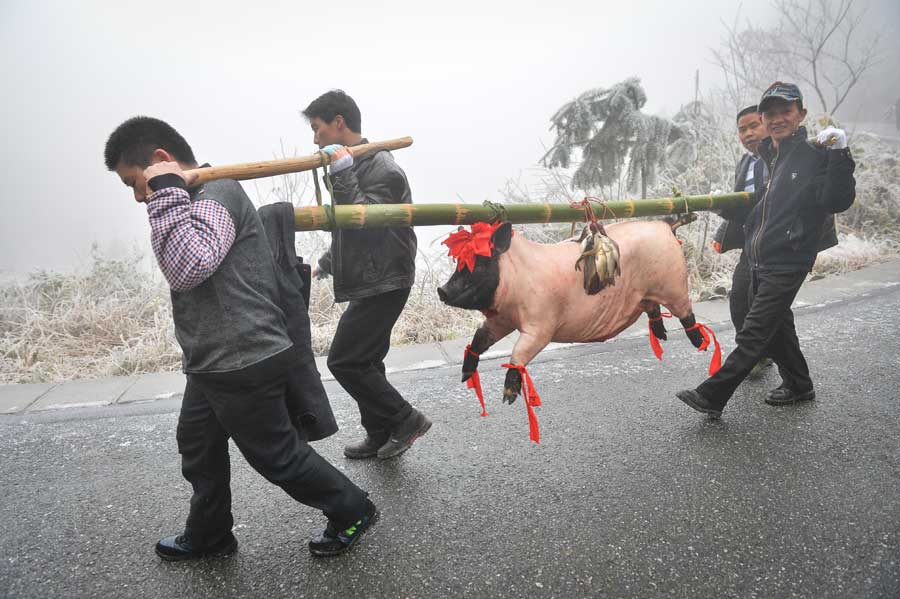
[364, 216]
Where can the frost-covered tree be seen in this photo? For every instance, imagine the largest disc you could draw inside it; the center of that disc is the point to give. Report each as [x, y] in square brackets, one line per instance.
[608, 127]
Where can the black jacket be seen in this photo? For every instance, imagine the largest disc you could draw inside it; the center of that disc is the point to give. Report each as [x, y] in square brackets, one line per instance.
[307, 402]
[367, 262]
[792, 219]
[730, 234]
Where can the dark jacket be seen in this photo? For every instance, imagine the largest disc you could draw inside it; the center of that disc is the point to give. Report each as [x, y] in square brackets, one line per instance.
[307, 401]
[730, 234]
[793, 217]
[367, 262]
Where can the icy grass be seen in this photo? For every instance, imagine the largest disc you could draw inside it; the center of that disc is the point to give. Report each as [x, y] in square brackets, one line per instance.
[116, 318]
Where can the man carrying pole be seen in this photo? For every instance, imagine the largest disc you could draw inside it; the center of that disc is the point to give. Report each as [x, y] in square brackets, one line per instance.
[730, 234]
[211, 247]
[373, 270]
[808, 183]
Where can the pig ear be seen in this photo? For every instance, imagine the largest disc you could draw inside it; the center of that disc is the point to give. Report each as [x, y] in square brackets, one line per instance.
[502, 237]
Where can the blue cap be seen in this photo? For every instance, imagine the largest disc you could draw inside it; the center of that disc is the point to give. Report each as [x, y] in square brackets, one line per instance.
[780, 91]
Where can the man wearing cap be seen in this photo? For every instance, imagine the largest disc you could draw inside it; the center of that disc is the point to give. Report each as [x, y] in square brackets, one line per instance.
[730, 234]
[809, 181]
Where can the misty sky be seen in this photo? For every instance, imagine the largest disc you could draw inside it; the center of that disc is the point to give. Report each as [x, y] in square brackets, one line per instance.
[474, 83]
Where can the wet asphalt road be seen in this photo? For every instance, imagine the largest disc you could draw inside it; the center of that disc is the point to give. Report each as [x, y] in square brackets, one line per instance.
[630, 494]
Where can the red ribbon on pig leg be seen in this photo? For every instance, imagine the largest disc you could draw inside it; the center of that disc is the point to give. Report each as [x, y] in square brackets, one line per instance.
[529, 393]
[654, 341]
[707, 332]
[474, 382]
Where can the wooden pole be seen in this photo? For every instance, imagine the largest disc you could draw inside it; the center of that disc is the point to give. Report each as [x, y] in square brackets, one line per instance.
[364, 216]
[270, 168]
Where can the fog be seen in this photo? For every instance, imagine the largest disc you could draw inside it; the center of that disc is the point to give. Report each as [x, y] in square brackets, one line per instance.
[474, 83]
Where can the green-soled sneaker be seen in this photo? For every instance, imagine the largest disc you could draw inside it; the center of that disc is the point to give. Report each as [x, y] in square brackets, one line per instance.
[333, 542]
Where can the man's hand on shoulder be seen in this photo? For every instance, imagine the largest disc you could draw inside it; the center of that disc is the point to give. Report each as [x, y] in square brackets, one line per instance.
[832, 138]
[168, 168]
[341, 158]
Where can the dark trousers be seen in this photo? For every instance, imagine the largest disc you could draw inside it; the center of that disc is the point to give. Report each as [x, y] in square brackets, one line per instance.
[356, 359]
[768, 330]
[249, 406]
[739, 299]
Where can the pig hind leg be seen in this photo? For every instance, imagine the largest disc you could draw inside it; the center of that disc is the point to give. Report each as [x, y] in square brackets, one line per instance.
[684, 312]
[654, 314]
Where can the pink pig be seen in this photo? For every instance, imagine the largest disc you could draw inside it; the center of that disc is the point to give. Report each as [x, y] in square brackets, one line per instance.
[534, 288]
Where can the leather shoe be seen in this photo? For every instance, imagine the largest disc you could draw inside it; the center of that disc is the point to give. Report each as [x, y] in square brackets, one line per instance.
[782, 396]
[413, 426]
[335, 542]
[177, 548]
[367, 448]
[694, 399]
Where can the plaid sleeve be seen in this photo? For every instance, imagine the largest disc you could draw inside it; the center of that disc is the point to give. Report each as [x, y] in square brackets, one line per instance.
[190, 239]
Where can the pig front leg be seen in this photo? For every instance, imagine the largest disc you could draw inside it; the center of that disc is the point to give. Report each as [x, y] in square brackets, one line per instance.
[489, 333]
[527, 347]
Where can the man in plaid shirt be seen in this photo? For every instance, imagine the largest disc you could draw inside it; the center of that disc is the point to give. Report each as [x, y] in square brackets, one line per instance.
[212, 249]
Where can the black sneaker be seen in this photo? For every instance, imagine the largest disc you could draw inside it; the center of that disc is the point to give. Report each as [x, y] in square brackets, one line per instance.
[334, 542]
[782, 396]
[694, 399]
[177, 548]
[367, 448]
[414, 426]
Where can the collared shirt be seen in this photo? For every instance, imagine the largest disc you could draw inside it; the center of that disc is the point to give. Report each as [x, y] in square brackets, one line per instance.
[749, 183]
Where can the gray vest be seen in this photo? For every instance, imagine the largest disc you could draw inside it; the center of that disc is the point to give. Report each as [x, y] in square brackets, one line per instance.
[232, 319]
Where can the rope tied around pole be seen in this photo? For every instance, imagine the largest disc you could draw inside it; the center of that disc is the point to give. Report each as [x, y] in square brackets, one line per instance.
[590, 215]
[498, 210]
[327, 208]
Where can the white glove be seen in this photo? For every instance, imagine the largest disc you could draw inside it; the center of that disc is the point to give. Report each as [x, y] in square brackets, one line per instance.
[839, 137]
[341, 158]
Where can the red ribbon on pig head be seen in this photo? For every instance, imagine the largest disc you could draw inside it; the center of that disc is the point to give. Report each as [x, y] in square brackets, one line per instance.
[464, 245]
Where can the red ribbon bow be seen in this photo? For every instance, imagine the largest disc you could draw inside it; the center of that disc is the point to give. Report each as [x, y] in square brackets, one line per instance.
[531, 399]
[716, 362]
[464, 245]
[654, 342]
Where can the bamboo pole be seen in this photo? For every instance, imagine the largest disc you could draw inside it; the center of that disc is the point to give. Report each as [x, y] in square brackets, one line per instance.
[364, 216]
[270, 168]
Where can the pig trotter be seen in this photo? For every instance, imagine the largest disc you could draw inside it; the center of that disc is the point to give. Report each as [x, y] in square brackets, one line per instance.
[656, 323]
[469, 366]
[481, 341]
[512, 386]
[694, 335]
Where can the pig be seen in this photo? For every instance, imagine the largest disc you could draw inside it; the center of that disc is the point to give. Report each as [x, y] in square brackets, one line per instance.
[535, 289]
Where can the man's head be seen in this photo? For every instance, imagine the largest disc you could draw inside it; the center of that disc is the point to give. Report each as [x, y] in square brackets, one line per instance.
[335, 119]
[750, 128]
[139, 142]
[781, 108]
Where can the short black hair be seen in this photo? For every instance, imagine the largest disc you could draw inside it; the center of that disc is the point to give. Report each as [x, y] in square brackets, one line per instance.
[333, 103]
[744, 111]
[134, 141]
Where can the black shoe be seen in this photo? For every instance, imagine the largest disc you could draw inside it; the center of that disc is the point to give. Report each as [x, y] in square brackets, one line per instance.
[693, 398]
[334, 542]
[413, 426]
[176, 548]
[783, 396]
[367, 448]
